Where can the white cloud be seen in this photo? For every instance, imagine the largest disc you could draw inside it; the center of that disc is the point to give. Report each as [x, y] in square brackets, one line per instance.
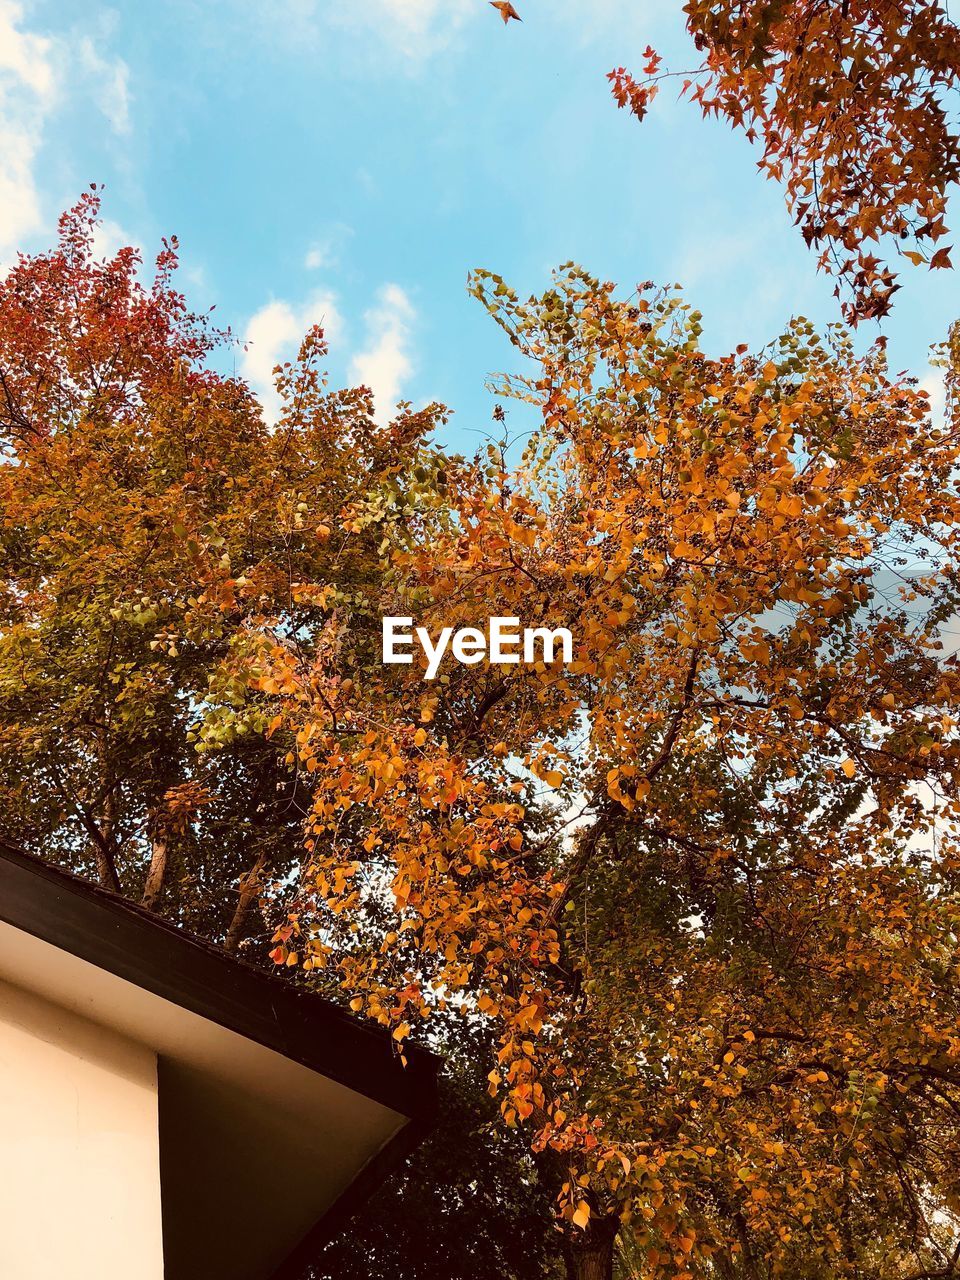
[274, 334]
[325, 251]
[28, 90]
[423, 26]
[37, 74]
[385, 363]
[414, 30]
[23, 55]
[111, 84]
[109, 237]
[934, 386]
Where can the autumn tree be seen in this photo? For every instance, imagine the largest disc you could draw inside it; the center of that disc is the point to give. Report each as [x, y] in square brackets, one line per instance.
[469, 1202]
[702, 880]
[150, 516]
[151, 521]
[700, 884]
[854, 108]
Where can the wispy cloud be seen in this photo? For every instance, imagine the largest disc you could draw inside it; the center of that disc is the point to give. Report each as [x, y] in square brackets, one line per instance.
[761, 269]
[422, 27]
[385, 363]
[110, 84]
[594, 21]
[39, 75]
[23, 55]
[28, 90]
[325, 251]
[274, 334]
[410, 31]
[109, 237]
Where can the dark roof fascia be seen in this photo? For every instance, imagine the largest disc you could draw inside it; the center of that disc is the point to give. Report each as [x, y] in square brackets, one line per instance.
[121, 938]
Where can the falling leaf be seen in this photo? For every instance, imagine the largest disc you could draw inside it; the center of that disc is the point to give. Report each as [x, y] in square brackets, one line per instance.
[506, 10]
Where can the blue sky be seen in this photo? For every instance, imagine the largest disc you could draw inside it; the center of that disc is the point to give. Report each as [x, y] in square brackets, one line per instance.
[352, 161]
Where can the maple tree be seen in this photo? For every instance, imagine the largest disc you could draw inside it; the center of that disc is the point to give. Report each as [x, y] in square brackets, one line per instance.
[854, 107]
[726, 999]
[851, 103]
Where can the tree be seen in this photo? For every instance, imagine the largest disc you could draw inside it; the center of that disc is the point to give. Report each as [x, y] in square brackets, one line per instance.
[699, 884]
[150, 518]
[725, 1002]
[467, 1205]
[851, 104]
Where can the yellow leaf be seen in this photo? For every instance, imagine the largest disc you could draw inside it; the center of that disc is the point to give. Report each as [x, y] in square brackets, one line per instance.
[582, 1215]
[849, 768]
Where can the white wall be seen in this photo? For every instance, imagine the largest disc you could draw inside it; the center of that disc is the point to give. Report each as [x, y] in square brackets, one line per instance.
[79, 1148]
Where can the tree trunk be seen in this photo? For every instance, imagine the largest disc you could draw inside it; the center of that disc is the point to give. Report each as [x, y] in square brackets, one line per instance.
[106, 870]
[249, 888]
[589, 1254]
[104, 838]
[157, 872]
